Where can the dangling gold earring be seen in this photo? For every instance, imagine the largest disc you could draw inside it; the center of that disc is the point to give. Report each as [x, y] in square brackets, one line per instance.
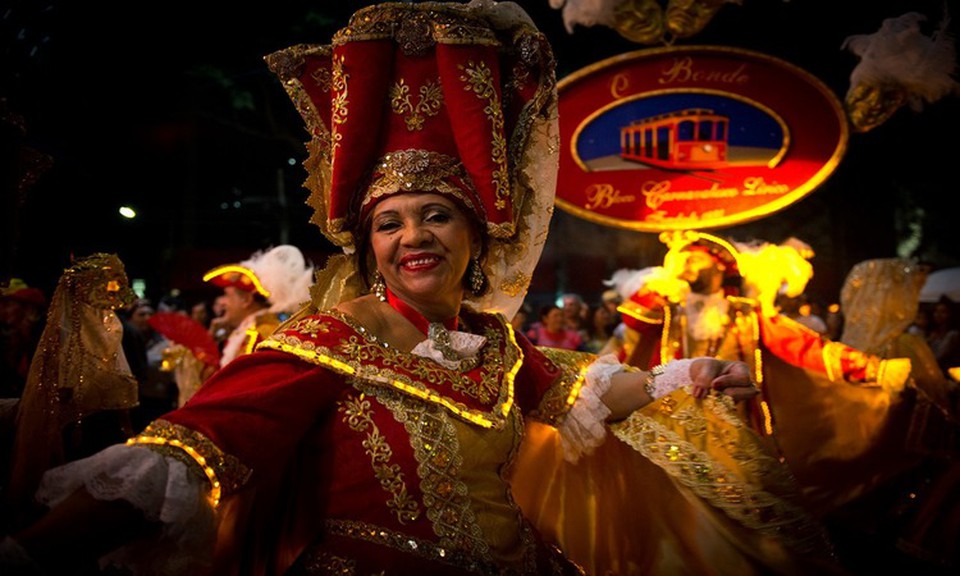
[379, 289]
[477, 278]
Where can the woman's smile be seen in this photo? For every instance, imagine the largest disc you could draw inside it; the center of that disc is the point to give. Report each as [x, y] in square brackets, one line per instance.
[420, 263]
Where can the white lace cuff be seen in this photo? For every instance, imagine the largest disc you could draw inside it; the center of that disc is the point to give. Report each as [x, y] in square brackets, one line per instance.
[676, 374]
[162, 488]
[584, 427]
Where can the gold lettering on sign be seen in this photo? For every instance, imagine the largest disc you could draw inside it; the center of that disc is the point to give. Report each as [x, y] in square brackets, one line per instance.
[619, 85]
[757, 187]
[658, 193]
[683, 71]
[604, 196]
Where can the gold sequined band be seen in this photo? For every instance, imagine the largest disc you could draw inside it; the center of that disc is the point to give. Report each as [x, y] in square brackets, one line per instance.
[410, 545]
[225, 473]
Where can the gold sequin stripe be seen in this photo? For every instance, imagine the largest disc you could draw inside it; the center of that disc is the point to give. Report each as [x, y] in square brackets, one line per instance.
[410, 545]
[374, 374]
[439, 462]
[766, 413]
[637, 312]
[224, 472]
[252, 335]
[751, 506]
[667, 351]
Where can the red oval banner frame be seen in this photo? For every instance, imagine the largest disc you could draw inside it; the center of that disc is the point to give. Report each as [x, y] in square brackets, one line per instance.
[693, 137]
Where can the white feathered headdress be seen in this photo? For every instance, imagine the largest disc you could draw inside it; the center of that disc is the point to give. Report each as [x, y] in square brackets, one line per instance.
[899, 65]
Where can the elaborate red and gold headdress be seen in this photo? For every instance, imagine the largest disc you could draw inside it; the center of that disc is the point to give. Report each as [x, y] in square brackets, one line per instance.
[458, 99]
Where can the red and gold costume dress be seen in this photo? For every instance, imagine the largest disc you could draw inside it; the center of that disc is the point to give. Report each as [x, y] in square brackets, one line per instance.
[392, 460]
[327, 451]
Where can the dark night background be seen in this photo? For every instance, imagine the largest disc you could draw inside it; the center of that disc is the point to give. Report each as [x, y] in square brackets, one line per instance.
[168, 107]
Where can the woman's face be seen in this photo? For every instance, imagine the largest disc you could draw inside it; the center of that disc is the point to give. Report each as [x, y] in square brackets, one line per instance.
[601, 317]
[423, 244]
[553, 320]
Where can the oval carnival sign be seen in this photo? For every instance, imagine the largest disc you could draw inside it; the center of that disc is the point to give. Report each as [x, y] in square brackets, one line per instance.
[693, 137]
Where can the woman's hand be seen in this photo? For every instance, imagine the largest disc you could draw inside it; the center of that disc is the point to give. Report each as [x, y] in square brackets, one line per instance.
[729, 377]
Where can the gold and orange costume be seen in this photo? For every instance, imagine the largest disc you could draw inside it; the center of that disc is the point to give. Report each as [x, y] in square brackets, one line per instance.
[394, 463]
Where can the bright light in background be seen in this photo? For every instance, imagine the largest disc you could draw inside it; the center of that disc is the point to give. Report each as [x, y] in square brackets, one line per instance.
[128, 212]
[139, 285]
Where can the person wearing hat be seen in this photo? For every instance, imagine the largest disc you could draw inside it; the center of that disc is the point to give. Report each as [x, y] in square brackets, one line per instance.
[22, 310]
[259, 293]
[716, 297]
[375, 430]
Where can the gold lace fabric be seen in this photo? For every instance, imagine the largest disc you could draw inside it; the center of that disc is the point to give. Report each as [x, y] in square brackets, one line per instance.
[78, 369]
[705, 447]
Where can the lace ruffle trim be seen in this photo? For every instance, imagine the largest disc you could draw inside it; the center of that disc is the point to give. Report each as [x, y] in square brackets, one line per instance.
[162, 488]
[584, 427]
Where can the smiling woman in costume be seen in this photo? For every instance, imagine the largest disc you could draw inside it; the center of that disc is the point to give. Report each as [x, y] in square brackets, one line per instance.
[375, 430]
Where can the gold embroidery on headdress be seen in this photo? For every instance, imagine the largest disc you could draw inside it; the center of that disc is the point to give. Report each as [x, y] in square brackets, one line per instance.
[323, 79]
[479, 78]
[431, 101]
[418, 170]
[340, 101]
[415, 36]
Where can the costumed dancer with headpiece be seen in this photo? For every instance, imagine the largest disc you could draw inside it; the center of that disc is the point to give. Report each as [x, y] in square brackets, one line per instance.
[80, 387]
[375, 431]
[717, 297]
[261, 292]
[258, 294]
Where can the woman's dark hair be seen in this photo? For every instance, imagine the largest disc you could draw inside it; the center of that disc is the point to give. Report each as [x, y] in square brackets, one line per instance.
[546, 309]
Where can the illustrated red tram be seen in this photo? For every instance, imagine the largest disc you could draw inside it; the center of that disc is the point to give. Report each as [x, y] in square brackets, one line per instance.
[693, 138]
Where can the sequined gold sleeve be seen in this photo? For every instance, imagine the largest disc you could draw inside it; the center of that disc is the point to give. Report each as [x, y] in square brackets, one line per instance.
[224, 472]
[560, 396]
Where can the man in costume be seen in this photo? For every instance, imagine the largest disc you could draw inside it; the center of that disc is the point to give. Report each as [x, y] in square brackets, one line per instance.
[717, 298]
[260, 292]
